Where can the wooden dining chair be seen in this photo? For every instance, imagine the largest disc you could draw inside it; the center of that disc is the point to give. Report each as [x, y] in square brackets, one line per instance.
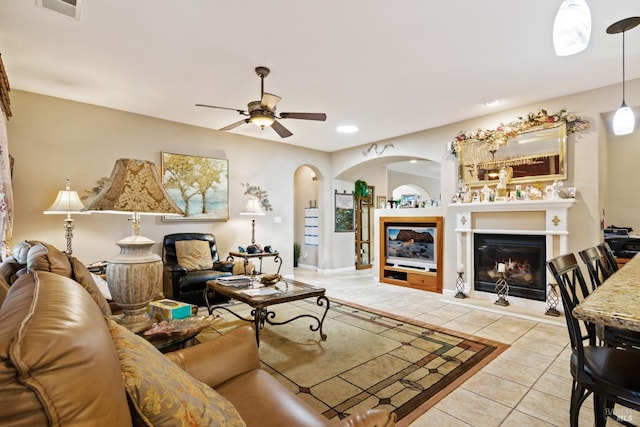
[598, 267]
[599, 271]
[609, 373]
[609, 256]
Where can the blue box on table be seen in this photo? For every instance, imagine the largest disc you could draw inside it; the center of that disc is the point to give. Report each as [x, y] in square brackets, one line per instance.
[167, 309]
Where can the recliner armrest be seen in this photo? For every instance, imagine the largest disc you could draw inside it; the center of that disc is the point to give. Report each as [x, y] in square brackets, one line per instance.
[226, 266]
[176, 269]
[216, 361]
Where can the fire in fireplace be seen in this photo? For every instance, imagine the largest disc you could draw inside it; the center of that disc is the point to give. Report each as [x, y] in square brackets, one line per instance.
[524, 258]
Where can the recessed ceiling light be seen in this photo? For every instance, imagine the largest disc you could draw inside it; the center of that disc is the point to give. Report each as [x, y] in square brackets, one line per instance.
[347, 129]
[492, 103]
[413, 161]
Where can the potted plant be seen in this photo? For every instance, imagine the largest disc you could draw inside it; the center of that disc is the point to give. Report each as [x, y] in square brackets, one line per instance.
[296, 253]
[361, 188]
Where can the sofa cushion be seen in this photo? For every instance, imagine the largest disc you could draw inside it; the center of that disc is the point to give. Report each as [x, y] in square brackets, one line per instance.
[44, 257]
[20, 251]
[4, 288]
[58, 365]
[82, 275]
[194, 254]
[162, 393]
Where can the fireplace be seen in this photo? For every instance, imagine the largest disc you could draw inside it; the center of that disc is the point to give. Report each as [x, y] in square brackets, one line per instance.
[524, 258]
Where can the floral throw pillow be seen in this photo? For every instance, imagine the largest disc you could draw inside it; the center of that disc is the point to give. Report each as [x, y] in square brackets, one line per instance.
[194, 254]
[161, 393]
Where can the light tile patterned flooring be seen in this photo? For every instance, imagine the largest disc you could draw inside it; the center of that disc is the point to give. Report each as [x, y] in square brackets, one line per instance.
[527, 385]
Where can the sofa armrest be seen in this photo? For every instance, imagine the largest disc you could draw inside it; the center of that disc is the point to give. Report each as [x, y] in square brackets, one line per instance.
[368, 418]
[216, 361]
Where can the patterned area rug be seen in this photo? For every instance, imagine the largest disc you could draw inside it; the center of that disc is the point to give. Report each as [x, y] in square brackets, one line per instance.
[369, 360]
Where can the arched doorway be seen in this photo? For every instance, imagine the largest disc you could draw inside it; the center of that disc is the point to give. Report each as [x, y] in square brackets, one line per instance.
[307, 228]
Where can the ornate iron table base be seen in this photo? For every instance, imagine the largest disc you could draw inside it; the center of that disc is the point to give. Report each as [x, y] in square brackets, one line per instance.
[288, 290]
[263, 315]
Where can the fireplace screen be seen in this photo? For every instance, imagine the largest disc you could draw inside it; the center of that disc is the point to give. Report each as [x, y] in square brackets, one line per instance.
[524, 258]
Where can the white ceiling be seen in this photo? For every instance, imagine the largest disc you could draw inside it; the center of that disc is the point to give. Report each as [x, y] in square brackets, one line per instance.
[392, 68]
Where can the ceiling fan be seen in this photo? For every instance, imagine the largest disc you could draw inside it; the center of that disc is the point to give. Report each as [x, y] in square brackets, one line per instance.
[263, 113]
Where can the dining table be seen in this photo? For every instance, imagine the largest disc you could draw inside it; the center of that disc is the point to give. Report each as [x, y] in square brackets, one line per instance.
[615, 303]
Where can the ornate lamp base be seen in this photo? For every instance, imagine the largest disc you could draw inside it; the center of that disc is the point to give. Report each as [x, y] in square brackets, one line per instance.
[134, 277]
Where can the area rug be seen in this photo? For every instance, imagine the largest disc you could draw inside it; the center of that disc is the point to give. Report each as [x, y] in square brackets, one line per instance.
[370, 359]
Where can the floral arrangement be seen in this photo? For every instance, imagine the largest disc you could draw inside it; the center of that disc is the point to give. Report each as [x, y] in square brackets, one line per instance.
[258, 193]
[503, 132]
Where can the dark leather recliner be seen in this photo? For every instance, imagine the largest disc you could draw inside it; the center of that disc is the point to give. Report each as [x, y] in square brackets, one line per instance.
[183, 285]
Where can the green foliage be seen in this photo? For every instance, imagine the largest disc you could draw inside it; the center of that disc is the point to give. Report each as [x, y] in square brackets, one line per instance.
[361, 189]
[258, 193]
[297, 250]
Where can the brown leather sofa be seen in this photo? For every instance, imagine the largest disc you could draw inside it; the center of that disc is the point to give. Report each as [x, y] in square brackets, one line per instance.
[59, 366]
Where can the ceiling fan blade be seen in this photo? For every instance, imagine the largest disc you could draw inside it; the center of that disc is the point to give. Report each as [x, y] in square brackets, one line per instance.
[222, 108]
[281, 130]
[235, 125]
[270, 100]
[305, 116]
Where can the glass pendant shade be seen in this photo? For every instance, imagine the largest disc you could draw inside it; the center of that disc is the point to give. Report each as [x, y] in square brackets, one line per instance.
[262, 120]
[624, 120]
[572, 28]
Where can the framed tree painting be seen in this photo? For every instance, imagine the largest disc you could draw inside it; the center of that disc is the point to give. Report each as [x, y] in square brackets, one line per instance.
[199, 185]
[344, 212]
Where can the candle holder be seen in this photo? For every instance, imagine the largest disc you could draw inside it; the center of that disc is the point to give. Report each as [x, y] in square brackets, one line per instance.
[552, 300]
[502, 290]
[460, 286]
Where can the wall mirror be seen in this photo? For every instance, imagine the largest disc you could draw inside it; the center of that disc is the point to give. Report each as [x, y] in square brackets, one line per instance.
[534, 155]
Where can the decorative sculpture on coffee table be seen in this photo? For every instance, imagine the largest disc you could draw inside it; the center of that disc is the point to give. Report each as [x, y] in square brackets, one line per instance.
[502, 287]
[460, 283]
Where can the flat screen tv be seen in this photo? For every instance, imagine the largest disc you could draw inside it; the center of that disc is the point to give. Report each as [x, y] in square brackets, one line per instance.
[411, 246]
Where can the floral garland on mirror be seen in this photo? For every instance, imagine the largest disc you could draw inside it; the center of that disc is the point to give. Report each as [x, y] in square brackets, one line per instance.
[503, 132]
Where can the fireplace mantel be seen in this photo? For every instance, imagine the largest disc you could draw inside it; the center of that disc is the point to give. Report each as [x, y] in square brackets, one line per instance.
[531, 217]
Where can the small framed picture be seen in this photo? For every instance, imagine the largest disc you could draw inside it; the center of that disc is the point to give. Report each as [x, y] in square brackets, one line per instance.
[381, 202]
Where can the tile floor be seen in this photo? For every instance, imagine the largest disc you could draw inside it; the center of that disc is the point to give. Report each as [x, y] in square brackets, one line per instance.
[527, 385]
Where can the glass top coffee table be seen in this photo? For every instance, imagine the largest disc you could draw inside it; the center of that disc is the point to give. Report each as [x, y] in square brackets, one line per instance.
[260, 298]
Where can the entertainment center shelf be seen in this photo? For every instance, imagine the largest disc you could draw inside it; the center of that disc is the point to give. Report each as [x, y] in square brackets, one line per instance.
[411, 252]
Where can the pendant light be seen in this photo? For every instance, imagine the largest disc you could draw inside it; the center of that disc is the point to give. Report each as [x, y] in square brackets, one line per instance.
[572, 27]
[624, 120]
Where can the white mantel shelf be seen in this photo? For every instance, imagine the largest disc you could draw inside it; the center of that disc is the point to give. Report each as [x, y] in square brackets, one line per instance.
[520, 205]
[555, 225]
[555, 222]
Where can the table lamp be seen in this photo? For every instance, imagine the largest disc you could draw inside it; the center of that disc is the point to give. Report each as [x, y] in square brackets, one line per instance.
[67, 203]
[253, 208]
[135, 275]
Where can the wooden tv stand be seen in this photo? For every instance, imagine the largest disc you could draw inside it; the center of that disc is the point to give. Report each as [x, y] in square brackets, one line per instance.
[412, 277]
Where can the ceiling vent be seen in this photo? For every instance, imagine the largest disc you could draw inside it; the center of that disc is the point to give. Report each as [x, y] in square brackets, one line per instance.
[66, 7]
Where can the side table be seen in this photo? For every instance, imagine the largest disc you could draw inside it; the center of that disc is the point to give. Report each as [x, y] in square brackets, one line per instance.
[246, 256]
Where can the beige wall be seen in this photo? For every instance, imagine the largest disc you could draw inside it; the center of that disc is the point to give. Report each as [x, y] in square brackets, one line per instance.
[587, 164]
[53, 139]
[622, 188]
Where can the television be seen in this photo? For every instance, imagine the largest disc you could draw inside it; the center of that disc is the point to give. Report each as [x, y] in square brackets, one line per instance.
[411, 246]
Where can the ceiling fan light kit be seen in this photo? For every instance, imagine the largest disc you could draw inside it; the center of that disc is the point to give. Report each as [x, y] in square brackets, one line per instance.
[624, 120]
[572, 27]
[262, 113]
